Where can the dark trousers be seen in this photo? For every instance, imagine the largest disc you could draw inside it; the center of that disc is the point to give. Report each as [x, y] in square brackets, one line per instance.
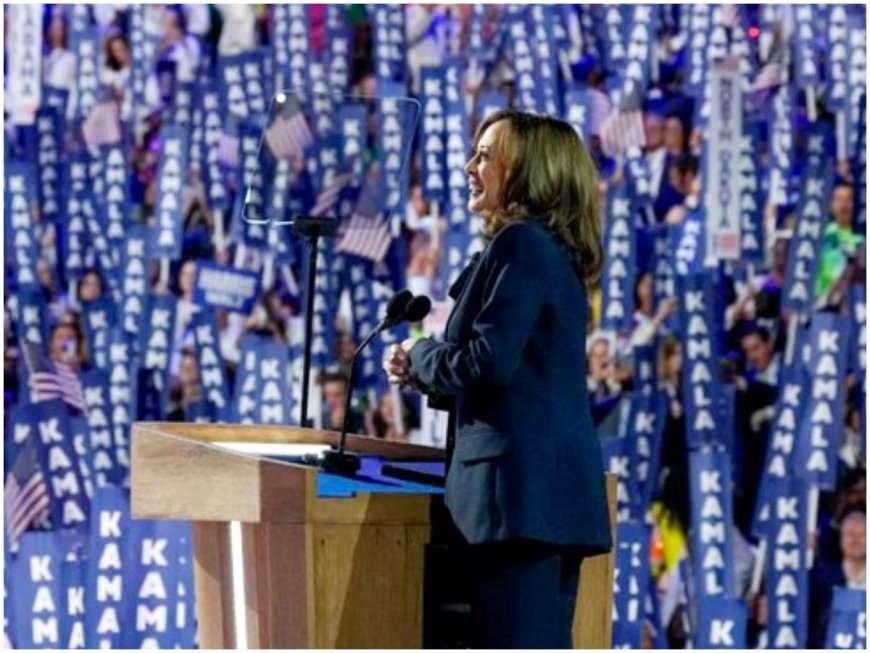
[522, 594]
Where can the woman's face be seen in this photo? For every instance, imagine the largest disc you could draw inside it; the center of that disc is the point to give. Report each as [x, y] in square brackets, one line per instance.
[64, 344]
[186, 278]
[675, 363]
[645, 292]
[599, 359]
[57, 32]
[91, 288]
[486, 171]
[120, 53]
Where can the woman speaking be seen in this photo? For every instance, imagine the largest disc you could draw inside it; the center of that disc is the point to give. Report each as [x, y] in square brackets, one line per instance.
[525, 484]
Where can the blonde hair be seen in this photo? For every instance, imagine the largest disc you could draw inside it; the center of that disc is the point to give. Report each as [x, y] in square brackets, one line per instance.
[550, 178]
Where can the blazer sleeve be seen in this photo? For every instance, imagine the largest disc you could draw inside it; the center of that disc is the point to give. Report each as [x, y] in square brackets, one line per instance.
[513, 297]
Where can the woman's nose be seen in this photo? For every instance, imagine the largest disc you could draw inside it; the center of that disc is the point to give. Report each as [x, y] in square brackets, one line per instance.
[470, 167]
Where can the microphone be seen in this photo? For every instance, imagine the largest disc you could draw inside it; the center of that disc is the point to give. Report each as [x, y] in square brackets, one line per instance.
[402, 307]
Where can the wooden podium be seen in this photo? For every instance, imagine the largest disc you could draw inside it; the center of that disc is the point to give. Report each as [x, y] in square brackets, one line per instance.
[338, 572]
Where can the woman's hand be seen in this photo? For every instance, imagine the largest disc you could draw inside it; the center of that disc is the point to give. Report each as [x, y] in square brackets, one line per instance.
[397, 364]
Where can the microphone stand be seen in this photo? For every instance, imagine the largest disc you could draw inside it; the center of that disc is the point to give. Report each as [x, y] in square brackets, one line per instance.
[311, 228]
[339, 461]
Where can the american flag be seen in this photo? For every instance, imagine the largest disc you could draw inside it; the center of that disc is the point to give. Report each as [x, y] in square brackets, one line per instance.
[288, 137]
[622, 130]
[49, 380]
[102, 126]
[367, 237]
[327, 197]
[25, 494]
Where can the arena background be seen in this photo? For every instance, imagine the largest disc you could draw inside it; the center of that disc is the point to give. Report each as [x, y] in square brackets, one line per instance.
[727, 351]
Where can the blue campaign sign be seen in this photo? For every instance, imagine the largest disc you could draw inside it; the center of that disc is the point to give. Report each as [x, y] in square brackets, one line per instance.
[223, 286]
[433, 141]
[701, 367]
[836, 78]
[122, 392]
[617, 301]
[37, 600]
[812, 215]
[156, 605]
[169, 203]
[646, 422]
[108, 561]
[804, 35]
[751, 200]
[101, 444]
[847, 624]
[390, 48]
[20, 198]
[630, 584]
[98, 317]
[155, 344]
[820, 430]
[134, 278]
[339, 38]
[782, 143]
[262, 393]
[50, 130]
[779, 461]
[786, 584]
[712, 522]
[721, 623]
[616, 459]
[32, 314]
[212, 373]
[116, 206]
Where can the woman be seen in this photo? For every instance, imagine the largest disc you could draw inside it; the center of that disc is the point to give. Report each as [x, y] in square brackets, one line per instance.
[525, 485]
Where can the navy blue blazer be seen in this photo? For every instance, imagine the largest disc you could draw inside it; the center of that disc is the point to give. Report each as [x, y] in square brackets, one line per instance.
[526, 461]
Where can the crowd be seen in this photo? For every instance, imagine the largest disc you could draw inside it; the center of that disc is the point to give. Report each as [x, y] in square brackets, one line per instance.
[754, 337]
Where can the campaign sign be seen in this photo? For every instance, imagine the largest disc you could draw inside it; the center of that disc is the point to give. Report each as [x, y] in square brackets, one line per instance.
[723, 179]
[35, 575]
[262, 395]
[134, 278]
[701, 367]
[212, 374]
[820, 430]
[786, 584]
[104, 465]
[812, 216]
[836, 56]
[122, 392]
[224, 286]
[618, 279]
[155, 346]
[19, 209]
[788, 415]
[721, 623]
[31, 318]
[631, 579]
[170, 198]
[59, 463]
[108, 561]
[50, 130]
[751, 201]
[847, 624]
[616, 459]
[803, 37]
[433, 144]
[712, 519]
[98, 317]
[339, 38]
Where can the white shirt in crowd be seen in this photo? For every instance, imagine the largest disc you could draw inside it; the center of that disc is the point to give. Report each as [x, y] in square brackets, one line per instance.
[59, 71]
[242, 35]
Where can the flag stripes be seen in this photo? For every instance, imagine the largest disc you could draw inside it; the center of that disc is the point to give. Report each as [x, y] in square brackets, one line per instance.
[288, 137]
[622, 130]
[367, 237]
